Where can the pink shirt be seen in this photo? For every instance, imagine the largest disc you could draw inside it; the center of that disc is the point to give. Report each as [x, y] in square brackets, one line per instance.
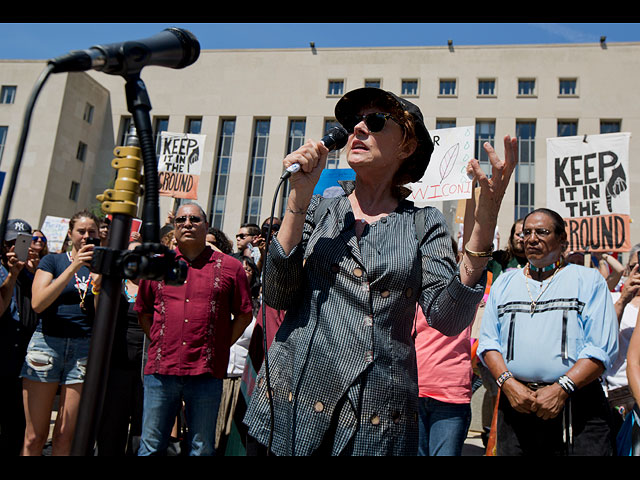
[191, 329]
[444, 363]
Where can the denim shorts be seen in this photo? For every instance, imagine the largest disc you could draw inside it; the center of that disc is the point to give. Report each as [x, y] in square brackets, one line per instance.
[55, 359]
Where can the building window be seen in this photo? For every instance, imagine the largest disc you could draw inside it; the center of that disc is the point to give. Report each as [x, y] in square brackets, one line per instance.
[194, 125]
[447, 88]
[88, 113]
[567, 128]
[257, 171]
[160, 125]
[610, 126]
[295, 140]
[126, 123]
[445, 123]
[410, 87]
[223, 168]
[526, 87]
[81, 153]
[485, 132]
[73, 192]
[486, 87]
[3, 139]
[336, 87]
[525, 170]
[568, 87]
[372, 83]
[8, 94]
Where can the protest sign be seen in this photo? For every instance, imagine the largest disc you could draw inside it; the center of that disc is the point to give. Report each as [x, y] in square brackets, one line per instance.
[328, 185]
[136, 224]
[179, 164]
[446, 175]
[588, 185]
[55, 229]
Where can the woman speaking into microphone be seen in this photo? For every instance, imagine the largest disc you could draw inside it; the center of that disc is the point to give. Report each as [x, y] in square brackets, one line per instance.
[349, 271]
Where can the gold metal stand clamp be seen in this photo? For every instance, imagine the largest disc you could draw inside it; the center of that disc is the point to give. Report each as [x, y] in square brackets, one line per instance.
[123, 198]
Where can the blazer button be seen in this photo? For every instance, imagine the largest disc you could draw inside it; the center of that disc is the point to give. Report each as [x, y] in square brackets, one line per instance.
[395, 417]
[385, 293]
[408, 292]
[375, 420]
[290, 397]
[318, 407]
[357, 272]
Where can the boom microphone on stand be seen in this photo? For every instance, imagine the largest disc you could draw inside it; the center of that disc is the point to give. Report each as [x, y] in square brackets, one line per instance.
[173, 48]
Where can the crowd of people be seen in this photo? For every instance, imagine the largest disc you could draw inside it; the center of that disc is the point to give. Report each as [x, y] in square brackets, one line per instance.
[369, 306]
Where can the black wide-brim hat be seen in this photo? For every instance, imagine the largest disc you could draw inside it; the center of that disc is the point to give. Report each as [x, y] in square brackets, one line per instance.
[351, 103]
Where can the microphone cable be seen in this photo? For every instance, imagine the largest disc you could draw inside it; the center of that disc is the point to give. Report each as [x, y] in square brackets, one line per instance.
[26, 122]
[267, 375]
[335, 138]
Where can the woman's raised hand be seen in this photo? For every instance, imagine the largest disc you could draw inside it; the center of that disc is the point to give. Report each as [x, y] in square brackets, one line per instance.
[492, 189]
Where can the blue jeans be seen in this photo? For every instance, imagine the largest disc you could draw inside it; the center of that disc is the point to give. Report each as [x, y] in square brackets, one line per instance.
[163, 395]
[443, 427]
[56, 359]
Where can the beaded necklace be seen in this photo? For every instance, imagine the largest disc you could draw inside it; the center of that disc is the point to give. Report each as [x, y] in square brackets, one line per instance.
[548, 268]
[543, 289]
[81, 294]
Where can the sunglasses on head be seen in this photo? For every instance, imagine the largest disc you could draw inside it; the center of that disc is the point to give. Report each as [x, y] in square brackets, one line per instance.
[183, 219]
[375, 122]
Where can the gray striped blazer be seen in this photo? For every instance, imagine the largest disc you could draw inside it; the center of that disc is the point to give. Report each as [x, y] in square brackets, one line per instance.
[342, 365]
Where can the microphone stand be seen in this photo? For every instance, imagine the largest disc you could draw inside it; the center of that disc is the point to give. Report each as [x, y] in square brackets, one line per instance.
[123, 208]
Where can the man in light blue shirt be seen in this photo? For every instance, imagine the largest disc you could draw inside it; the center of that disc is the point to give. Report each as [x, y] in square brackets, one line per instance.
[548, 332]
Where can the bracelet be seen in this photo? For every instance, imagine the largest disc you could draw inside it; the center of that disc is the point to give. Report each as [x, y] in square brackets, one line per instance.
[468, 270]
[486, 253]
[567, 384]
[297, 212]
[503, 378]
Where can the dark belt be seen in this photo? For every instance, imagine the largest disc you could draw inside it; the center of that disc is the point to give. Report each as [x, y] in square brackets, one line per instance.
[535, 385]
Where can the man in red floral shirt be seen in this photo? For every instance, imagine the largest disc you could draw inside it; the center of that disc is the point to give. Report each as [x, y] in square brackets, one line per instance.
[191, 328]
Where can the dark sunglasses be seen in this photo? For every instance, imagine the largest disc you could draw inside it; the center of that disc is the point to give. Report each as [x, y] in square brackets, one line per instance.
[183, 219]
[244, 235]
[36, 239]
[375, 122]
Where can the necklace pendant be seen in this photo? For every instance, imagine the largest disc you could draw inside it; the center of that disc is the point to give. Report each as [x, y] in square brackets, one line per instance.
[532, 309]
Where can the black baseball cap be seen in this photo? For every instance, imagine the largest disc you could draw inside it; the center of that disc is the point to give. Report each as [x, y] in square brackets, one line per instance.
[351, 102]
[15, 227]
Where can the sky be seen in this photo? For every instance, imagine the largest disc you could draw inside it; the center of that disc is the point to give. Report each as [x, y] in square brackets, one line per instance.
[42, 41]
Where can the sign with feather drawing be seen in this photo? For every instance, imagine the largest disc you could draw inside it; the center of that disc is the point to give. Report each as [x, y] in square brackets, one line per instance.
[446, 176]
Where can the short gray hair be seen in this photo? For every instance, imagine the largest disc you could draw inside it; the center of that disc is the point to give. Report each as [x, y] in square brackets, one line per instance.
[195, 204]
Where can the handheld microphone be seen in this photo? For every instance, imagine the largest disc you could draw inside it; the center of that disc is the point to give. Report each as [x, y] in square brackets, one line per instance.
[173, 48]
[335, 138]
